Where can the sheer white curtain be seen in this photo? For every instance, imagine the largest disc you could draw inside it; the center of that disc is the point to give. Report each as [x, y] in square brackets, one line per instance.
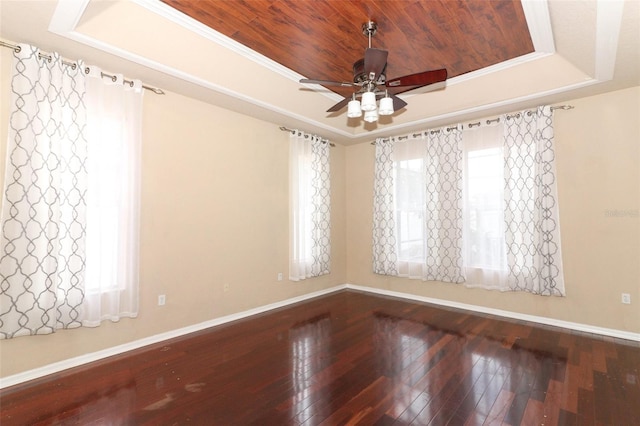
[47, 226]
[113, 197]
[484, 228]
[410, 212]
[310, 206]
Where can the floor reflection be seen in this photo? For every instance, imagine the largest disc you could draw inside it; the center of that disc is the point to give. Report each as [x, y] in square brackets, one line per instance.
[349, 358]
[310, 354]
[431, 365]
[109, 406]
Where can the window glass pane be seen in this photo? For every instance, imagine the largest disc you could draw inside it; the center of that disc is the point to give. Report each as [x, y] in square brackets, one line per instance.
[104, 209]
[409, 198]
[485, 244]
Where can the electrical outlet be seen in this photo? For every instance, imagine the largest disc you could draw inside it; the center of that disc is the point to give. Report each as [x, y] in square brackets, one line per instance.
[279, 276]
[161, 299]
[226, 287]
[626, 298]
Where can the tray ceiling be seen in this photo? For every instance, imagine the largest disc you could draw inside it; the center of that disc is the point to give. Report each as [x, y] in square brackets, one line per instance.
[322, 39]
[247, 56]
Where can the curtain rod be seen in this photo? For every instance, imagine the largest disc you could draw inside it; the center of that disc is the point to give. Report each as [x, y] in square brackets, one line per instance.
[17, 49]
[470, 125]
[285, 129]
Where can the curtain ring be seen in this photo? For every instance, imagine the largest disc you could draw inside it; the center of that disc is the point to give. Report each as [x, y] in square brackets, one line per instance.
[114, 78]
[18, 49]
[87, 70]
[74, 66]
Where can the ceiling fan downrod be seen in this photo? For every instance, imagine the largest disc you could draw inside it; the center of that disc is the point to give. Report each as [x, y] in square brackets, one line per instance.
[369, 30]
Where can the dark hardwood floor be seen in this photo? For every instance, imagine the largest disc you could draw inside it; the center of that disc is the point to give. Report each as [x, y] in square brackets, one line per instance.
[349, 358]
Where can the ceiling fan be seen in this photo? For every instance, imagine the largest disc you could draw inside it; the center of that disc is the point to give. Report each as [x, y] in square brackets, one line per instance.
[371, 83]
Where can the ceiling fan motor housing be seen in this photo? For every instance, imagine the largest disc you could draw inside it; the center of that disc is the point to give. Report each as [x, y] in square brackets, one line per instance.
[369, 28]
[360, 76]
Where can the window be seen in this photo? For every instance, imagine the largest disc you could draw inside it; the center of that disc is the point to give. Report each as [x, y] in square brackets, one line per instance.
[410, 212]
[483, 174]
[72, 226]
[471, 205]
[481, 210]
[310, 206]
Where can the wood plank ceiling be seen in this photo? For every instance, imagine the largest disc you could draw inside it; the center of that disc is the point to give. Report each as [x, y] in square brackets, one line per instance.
[321, 39]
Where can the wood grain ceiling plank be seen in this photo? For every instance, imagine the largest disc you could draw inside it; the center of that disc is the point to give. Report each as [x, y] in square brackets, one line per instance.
[321, 39]
[322, 44]
[470, 40]
[503, 43]
[513, 26]
[432, 39]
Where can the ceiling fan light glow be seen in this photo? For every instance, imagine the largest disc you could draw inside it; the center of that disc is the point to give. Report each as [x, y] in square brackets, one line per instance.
[369, 102]
[371, 116]
[386, 106]
[353, 109]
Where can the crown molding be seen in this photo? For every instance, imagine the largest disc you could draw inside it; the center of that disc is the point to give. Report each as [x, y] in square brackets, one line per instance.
[608, 21]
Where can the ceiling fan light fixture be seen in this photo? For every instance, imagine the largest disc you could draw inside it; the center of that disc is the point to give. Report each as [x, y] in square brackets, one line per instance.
[370, 80]
[353, 109]
[386, 106]
[369, 102]
[371, 116]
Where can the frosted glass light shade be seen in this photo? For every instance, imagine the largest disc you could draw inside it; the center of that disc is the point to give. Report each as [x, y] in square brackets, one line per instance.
[369, 101]
[386, 106]
[371, 116]
[353, 109]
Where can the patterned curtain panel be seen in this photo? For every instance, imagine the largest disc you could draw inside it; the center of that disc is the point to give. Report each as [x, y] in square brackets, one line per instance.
[443, 166]
[42, 255]
[69, 219]
[385, 258]
[531, 204]
[310, 201]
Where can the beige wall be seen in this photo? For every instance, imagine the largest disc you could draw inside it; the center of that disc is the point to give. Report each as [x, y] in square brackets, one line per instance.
[598, 159]
[214, 211]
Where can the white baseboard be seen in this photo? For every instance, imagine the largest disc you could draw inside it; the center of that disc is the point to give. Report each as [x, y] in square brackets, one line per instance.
[611, 332]
[136, 344]
[116, 350]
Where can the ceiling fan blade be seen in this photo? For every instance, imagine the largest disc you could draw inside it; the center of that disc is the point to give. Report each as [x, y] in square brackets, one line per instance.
[327, 82]
[374, 62]
[398, 103]
[339, 105]
[419, 79]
